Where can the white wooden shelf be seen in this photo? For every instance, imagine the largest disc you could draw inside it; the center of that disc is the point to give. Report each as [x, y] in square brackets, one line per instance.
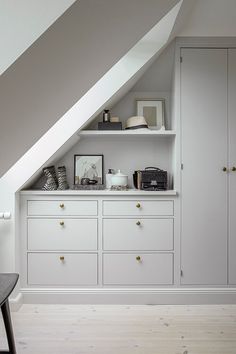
[105, 192]
[137, 132]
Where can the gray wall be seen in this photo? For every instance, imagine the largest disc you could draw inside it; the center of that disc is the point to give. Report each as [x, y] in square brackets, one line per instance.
[64, 63]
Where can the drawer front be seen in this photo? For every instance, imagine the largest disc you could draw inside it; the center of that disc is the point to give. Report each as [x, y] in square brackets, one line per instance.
[138, 234]
[48, 269]
[62, 208]
[59, 234]
[124, 269]
[138, 207]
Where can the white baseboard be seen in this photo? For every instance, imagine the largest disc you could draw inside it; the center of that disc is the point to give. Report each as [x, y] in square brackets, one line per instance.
[150, 296]
[16, 302]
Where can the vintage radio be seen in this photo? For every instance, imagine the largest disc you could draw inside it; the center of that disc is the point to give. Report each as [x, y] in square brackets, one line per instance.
[150, 179]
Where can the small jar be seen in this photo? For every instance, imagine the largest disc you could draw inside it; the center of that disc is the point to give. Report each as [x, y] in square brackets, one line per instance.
[108, 178]
[106, 115]
[119, 179]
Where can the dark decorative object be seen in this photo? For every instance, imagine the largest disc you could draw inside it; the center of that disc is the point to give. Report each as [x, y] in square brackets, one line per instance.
[51, 183]
[150, 179]
[109, 126]
[87, 181]
[89, 167]
[62, 180]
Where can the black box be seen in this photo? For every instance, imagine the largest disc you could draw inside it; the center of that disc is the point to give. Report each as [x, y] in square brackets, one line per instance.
[109, 126]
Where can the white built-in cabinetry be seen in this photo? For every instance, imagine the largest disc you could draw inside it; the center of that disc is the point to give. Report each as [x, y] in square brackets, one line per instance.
[100, 240]
[208, 93]
[232, 165]
[147, 247]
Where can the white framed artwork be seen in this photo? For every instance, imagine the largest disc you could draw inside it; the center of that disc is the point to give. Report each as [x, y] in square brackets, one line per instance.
[153, 110]
[88, 167]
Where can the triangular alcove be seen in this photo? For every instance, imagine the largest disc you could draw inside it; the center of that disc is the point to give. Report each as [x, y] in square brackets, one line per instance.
[128, 151]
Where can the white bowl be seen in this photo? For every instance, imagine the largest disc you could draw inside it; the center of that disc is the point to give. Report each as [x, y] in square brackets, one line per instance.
[119, 179]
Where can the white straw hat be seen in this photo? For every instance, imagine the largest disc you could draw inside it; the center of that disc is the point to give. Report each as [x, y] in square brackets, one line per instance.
[136, 122]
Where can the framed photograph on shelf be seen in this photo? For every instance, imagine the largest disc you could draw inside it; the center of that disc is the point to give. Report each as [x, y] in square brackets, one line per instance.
[88, 166]
[153, 110]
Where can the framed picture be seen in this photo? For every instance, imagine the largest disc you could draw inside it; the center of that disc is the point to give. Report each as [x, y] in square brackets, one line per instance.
[88, 166]
[153, 110]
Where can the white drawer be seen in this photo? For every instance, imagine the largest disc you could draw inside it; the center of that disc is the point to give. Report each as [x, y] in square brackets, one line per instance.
[138, 234]
[48, 269]
[138, 207]
[62, 208]
[124, 269]
[62, 234]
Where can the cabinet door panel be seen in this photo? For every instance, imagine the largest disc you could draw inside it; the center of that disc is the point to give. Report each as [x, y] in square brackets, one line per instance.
[232, 163]
[204, 153]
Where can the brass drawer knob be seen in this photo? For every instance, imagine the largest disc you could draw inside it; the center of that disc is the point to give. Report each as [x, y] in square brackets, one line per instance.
[233, 168]
[138, 205]
[138, 258]
[62, 223]
[224, 169]
[62, 206]
[138, 223]
[62, 258]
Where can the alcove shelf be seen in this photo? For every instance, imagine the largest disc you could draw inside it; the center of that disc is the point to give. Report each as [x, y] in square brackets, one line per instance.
[119, 133]
[105, 192]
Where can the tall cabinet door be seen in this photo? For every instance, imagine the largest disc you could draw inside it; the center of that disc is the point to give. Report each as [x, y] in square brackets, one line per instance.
[204, 154]
[232, 164]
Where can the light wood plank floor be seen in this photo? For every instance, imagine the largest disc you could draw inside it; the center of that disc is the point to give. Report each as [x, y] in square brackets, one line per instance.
[103, 329]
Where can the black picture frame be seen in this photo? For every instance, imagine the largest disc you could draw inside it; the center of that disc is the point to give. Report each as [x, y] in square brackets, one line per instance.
[77, 178]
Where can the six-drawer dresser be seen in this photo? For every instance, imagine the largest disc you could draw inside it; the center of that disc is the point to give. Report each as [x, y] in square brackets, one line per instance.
[101, 243]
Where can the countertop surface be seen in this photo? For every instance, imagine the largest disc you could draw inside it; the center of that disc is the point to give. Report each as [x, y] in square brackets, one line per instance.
[105, 192]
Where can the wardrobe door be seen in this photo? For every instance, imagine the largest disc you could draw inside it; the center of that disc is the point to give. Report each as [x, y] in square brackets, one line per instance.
[232, 164]
[204, 154]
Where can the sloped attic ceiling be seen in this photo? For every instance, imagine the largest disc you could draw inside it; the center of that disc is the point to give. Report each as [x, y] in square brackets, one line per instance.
[110, 85]
[21, 24]
[64, 63]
